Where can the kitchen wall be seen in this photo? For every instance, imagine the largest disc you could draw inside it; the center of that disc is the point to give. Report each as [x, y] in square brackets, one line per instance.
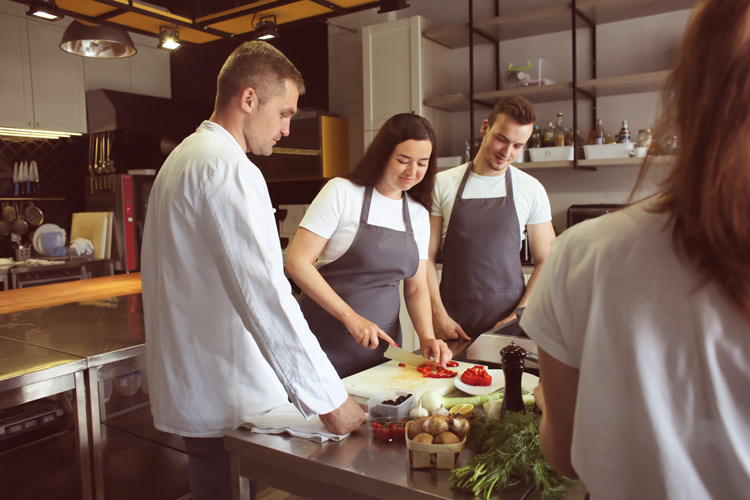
[633, 46]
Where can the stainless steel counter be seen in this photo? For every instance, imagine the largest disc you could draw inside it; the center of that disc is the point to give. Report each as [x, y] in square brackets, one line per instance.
[357, 467]
[29, 372]
[107, 335]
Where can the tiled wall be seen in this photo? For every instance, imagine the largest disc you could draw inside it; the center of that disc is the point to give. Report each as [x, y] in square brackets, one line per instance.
[62, 167]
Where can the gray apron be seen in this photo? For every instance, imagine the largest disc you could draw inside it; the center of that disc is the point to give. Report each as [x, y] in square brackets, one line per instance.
[482, 280]
[366, 277]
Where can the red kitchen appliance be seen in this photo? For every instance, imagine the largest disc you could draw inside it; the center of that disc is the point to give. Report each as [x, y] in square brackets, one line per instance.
[126, 196]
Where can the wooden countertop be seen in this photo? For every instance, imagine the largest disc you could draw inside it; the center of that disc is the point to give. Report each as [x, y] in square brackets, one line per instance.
[73, 291]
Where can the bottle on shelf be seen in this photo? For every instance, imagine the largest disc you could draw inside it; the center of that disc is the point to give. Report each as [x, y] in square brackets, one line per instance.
[624, 135]
[559, 131]
[548, 138]
[600, 137]
[535, 141]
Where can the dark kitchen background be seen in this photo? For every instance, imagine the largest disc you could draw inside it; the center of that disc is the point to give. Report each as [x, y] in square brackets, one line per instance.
[63, 163]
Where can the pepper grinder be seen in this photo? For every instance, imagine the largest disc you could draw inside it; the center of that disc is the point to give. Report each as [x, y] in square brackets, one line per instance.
[513, 360]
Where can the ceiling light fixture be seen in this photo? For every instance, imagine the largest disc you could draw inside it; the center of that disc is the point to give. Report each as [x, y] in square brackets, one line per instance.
[46, 10]
[34, 133]
[266, 28]
[97, 41]
[391, 5]
[169, 38]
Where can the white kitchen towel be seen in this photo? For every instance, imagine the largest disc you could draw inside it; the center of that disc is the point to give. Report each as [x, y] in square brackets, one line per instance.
[287, 419]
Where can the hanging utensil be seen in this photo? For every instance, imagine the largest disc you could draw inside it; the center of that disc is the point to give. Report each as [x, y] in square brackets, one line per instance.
[4, 227]
[33, 214]
[91, 155]
[19, 226]
[109, 163]
[9, 213]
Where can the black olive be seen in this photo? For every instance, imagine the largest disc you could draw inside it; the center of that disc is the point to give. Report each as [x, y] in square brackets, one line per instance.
[389, 402]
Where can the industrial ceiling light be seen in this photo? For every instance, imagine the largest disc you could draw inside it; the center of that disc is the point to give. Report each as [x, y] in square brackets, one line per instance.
[97, 41]
[46, 10]
[169, 38]
[266, 28]
[391, 5]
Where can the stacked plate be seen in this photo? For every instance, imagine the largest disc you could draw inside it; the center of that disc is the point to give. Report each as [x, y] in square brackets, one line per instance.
[49, 246]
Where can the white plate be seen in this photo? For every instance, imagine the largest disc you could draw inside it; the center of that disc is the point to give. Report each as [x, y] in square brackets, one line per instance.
[528, 382]
[44, 228]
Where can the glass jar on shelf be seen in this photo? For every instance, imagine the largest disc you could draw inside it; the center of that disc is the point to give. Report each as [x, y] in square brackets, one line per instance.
[644, 138]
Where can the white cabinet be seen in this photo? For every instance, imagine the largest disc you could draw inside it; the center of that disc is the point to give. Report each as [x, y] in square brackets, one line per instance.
[41, 86]
[56, 81]
[16, 105]
[146, 73]
[400, 68]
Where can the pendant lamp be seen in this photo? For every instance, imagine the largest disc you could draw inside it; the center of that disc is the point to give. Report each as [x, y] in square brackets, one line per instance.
[97, 41]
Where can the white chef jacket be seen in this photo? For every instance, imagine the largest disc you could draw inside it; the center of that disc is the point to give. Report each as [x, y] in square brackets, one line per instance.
[225, 338]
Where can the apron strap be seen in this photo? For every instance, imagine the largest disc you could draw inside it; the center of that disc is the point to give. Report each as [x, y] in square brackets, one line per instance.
[465, 178]
[407, 218]
[366, 205]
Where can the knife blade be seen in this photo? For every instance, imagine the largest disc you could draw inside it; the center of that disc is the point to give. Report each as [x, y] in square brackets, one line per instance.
[404, 356]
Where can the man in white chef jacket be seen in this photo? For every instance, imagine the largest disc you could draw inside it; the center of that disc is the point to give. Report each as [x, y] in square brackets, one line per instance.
[478, 216]
[225, 338]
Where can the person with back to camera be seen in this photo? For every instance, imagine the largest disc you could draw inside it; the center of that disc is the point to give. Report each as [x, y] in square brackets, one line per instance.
[642, 316]
[225, 338]
[362, 235]
[478, 216]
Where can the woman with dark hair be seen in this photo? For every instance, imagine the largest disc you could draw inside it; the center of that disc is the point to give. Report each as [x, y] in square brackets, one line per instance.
[360, 237]
[642, 317]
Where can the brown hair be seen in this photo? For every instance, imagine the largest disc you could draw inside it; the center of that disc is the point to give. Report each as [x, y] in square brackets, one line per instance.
[259, 65]
[707, 105]
[397, 129]
[517, 107]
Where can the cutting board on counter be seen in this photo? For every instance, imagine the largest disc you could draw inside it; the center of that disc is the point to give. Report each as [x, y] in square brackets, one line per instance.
[95, 227]
[389, 375]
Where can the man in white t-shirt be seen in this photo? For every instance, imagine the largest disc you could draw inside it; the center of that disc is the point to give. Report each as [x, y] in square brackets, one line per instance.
[478, 216]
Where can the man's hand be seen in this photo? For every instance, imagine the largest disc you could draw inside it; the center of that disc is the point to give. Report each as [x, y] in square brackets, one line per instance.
[366, 332]
[447, 329]
[345, 419]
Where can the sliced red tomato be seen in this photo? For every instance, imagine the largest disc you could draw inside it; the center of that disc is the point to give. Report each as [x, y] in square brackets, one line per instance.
[476, 375]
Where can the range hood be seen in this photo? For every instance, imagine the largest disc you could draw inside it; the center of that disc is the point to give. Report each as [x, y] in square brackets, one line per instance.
[113, 110]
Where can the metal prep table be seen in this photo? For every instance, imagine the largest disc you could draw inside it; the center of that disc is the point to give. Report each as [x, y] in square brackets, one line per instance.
[29, 373]
[107, 333]
[357, 467]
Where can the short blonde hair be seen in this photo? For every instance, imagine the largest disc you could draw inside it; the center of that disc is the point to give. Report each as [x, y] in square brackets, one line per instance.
[258, 65]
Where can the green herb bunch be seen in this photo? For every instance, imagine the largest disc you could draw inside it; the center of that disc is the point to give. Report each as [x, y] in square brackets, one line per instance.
[508, 455]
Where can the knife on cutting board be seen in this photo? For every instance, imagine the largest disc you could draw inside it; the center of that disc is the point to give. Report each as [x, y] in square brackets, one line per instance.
[404, 356]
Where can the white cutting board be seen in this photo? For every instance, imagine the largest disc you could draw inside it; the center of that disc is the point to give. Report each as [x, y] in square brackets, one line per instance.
[95, 227]
[389, 375]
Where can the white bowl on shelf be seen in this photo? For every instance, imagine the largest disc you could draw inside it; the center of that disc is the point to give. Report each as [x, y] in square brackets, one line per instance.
[557, 153]
[603, 151]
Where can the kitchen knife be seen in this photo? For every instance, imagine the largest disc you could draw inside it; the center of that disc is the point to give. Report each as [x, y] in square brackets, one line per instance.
[404, 356]
[35, 176]
[15, 179]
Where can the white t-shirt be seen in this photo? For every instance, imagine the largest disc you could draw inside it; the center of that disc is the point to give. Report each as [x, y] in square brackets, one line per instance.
[225, 338]
[663, 408]
[335, 212]
[529, 196]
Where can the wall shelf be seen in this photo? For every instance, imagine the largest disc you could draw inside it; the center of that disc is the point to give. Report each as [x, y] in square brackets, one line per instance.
[33, 198]
[627, 84]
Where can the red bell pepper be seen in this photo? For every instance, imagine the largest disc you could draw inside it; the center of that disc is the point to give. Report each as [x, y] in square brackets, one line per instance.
[476, 375]
[451, 364]
[433, 370]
